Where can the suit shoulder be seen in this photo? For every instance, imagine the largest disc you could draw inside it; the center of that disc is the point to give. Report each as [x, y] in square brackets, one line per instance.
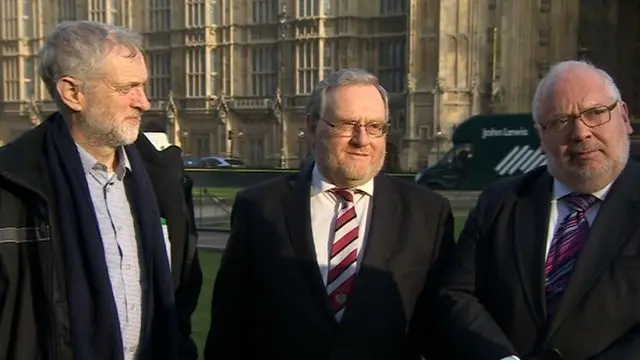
[502, 189]
[518, 182]
[415, 192]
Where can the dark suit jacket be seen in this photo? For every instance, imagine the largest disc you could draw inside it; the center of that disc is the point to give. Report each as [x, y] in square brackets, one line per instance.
[173, 189]
[493, 301]
[270, 302]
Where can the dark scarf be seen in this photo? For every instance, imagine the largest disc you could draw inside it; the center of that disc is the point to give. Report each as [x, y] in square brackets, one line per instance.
[94, 325]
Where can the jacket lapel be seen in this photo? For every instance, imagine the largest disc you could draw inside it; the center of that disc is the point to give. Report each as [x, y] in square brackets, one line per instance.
[296, 205]
[530, 233]
[616, 220]
[382, 239]
[383, 232]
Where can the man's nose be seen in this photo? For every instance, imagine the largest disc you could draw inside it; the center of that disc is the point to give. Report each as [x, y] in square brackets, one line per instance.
[579, 131]
[361, 136]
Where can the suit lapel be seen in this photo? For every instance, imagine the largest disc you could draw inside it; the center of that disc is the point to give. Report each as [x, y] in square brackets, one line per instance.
[530, 233]
[296, 206]
[616, 220]
[383, 231]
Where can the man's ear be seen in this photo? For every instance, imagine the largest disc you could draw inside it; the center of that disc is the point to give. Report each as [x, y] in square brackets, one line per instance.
[624, 113]
[70, 92]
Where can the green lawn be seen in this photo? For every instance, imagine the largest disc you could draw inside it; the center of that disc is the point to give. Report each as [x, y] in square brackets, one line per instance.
[210, 260]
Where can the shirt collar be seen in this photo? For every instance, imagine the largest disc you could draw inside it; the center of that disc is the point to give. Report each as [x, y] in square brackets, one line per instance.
[560, 190]
[90, 163]
[319, 184]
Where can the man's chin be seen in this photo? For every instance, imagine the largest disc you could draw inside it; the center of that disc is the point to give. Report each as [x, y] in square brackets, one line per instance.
[131, 136]
[359, 177]
[124, 141]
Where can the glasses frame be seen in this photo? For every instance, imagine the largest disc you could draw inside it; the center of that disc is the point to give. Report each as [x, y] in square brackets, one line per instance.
[355, 126]
[565, 119]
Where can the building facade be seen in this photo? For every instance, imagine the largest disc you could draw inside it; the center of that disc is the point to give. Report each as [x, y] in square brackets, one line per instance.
[232, 77]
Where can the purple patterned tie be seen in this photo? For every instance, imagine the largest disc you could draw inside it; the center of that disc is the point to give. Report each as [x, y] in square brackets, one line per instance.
[565, 247]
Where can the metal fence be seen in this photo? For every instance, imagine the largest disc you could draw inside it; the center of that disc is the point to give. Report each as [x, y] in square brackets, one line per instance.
[240, 178]
[212, 212]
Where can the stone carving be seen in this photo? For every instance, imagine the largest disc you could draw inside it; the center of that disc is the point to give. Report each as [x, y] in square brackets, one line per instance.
[475, 85]
[277, 106]
[282, 16]
[411, 83]
[496, 90]
[545, 6]
[438, 87]
[170, 109]
[35, 112]
[221, 105]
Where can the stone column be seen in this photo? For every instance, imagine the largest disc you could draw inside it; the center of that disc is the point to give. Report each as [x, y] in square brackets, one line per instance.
[279, 104]
[222, 110]
[411, 143]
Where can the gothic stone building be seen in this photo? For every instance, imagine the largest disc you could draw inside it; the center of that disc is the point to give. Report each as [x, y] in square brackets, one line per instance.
[231, 77]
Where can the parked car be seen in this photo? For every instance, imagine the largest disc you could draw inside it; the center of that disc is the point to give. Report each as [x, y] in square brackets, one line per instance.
[190, 161]
[220, 162]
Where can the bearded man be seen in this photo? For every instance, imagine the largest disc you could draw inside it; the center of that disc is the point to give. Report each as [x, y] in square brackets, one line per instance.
[338, 261]
[548, 264]
[97, 243]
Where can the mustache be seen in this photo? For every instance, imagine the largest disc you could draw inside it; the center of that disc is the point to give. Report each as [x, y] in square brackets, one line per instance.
[582, 147]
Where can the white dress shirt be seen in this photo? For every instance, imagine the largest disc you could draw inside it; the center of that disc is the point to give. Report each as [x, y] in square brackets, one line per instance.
[324, 210]
[559, 210]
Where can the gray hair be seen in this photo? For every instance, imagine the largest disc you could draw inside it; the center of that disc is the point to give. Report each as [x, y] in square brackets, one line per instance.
[343, 77]
[550, 77]
[77, 48]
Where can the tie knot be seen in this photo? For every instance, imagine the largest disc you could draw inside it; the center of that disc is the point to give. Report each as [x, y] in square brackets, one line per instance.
[580, 202]
[344, 194]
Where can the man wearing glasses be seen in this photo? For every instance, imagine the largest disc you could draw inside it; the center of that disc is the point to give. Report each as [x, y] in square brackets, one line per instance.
[548, 264]
[339, 261]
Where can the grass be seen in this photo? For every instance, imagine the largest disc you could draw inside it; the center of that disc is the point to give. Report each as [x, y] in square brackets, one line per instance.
[210, 260]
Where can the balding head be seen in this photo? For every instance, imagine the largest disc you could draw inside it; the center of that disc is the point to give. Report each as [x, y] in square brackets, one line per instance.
[565, 69]
[583, 125]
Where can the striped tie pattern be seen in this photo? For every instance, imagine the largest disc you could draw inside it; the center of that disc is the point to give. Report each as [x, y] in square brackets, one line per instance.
[344, 253]
[565, 247]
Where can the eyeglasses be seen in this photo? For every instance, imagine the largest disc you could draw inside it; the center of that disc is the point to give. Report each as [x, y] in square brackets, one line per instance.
[348, 128]
[592, 117]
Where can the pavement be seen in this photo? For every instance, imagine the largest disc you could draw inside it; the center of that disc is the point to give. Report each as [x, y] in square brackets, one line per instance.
[210, 209]
[212, 221]
[212, 240]
[210, 213]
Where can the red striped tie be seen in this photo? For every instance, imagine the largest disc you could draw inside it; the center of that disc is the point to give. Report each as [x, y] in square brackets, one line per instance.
[344, 253]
